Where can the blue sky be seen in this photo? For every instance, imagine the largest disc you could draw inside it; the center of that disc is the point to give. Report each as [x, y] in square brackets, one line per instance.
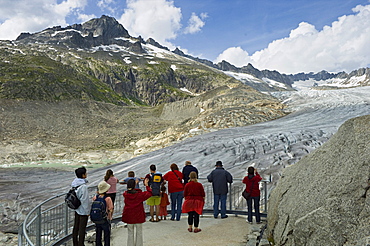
[284, 35]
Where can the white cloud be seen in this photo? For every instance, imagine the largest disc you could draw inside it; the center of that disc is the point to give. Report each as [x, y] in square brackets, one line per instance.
[235, 55]
[343, 46]
[106, 5]
[31, 16]
[195, 23]
[83, 17]
[158, 19]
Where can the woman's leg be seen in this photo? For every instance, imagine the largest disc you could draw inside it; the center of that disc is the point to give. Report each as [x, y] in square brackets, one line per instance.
[249, 205]
[256, 201]
[139, 235]
[179, 198]
[196, 220]
[98, 232]
[173, 205]
[130, 234]
[190, 221]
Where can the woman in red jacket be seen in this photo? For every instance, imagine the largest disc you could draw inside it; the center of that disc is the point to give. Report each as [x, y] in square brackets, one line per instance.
[176, 189]
[133, 211]
[194, 201]
[252, 186]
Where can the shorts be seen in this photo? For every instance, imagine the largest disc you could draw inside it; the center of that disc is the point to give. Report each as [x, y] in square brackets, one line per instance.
[153, 200]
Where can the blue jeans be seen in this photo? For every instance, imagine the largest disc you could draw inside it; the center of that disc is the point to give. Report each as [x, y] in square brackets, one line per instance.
[99, 228]
[216, 201]
[176, 204]
[256, 203]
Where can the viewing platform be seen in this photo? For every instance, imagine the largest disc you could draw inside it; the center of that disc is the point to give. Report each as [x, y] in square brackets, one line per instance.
[50, 223]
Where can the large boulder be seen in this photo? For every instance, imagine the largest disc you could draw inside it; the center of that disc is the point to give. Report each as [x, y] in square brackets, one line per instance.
[324, 199]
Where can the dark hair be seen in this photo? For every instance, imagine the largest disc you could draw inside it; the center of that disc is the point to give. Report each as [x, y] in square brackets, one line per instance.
[131, 183]
[250, 170]
[131, 174]
[219, 163]
[80, 171]
[163, 187]
[108, 174]
[153, 167]
[187, 162]
[174, 167]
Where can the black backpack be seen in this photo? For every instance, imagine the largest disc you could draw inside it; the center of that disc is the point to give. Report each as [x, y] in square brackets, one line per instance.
[98, 213]
[155, 183]
[71, 198]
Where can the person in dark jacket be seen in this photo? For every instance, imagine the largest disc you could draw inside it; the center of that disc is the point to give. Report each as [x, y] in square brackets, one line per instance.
[252, 186]
[187, 169]
[220, 179]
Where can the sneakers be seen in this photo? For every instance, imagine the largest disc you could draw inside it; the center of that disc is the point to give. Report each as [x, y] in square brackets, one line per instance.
[224, 217]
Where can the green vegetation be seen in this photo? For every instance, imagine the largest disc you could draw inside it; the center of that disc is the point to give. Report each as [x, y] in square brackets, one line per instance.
[52, 73]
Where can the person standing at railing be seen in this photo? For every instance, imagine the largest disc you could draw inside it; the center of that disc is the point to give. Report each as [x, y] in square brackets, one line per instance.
[194, 202]
[105, 223]
[164, 203]
[155, 181]
[176, 190]
[131, 175]
[220, 179]
[133, 211]
[82, 212]
[251, 182]
[112, 181]
[187, 169]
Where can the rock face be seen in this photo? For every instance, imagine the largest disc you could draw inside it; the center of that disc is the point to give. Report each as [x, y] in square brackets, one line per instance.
[324, 199]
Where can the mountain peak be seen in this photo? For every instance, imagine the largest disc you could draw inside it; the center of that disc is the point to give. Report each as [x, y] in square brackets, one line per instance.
[105, 26]
[95, 32]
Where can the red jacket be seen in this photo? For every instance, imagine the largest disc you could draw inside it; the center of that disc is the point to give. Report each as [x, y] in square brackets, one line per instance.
[133, 211]
[174, 182]
[194, 190]
[194, 198]
[248, 185]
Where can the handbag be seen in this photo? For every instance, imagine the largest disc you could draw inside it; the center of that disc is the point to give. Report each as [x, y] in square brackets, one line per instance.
[246, 194]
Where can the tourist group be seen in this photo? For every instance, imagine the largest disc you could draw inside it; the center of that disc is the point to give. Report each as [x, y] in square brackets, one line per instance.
[182, 185]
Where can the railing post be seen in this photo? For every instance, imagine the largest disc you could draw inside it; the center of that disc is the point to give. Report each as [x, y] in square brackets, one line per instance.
[265, 189]
[38, 226]
[230, 197]
[20, 235]
[66, 219]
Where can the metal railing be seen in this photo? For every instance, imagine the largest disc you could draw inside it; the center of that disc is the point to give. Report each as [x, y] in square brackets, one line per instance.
[51, 222]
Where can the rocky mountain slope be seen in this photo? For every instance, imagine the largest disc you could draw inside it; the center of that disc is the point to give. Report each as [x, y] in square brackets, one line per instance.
[92, 86]
[329, 203]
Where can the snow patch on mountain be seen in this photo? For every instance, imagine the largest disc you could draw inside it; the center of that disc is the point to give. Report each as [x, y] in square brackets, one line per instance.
[273, 83]
[243, 77]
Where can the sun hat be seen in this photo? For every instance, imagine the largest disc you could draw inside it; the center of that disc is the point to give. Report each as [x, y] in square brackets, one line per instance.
[103, 187]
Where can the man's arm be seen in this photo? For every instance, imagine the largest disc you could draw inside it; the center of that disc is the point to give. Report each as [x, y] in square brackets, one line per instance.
[210, 177]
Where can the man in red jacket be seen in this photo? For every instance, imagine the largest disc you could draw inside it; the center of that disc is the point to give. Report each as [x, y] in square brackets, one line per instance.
[252, 186]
